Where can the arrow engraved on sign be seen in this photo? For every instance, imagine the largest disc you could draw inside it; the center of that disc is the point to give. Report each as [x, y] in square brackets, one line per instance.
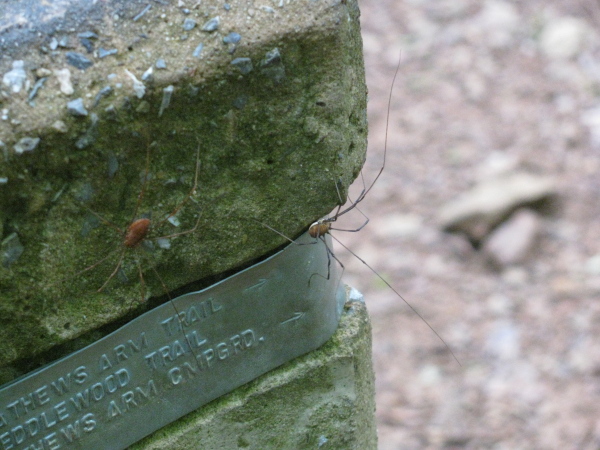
[261, 283]
[296, 316]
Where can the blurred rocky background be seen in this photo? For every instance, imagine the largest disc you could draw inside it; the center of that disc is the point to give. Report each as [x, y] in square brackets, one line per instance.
[486, 219]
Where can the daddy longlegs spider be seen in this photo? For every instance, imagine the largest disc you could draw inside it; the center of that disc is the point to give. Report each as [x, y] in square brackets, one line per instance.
[322, 227]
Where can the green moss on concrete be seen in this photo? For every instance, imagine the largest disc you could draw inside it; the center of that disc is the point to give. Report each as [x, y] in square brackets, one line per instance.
[321, 400]
[271, 150]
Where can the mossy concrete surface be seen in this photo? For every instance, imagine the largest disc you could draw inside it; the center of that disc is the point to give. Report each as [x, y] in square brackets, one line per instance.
[163, 97]
[324, 399]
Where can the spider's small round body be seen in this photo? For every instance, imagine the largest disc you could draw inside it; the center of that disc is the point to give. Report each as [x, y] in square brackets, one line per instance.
[136, 232]
[319, 228]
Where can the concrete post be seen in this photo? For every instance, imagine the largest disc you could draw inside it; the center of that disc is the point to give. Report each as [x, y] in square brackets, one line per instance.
[109, 108]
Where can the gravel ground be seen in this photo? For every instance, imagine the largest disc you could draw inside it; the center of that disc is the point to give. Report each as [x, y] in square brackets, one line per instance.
[484, 88]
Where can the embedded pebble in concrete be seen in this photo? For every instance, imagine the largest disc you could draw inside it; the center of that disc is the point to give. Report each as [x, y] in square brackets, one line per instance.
[103, 53]
[87, 35]
[60, 126]
[142, 12]
[138, 87]
[143, 107]
[10, 250]
[64, 42]
[104, 92]
[87, 44]
[36, 87]
[26, 144]
[147, 75]
[84, 141]
[198, 50]
[113, 164]
[271, 57]
[165, 244]
[89, 136]
[15, 79]
[42, 72]
[240, 102]
[211, 25]
[272, 66]
[166, 99]
[64, 80]
[232, 38]
[90, 223]
[160, 64]
[78, 60]
[189, 24]
[76, 107]
[243, 64]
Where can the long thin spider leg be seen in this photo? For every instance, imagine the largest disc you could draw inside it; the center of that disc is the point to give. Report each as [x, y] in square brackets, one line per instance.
[191, 230]
[188, 196]
[281, 234]
[330, 252]
[387, 123]
[103, 220]
[362, 213]
[337, 213]
[114, 271]
[330, 255]
[96, 264]
[143, 190]
[356, 229]
[400, 296]
[353, 204]
[142, 283]
[178, 315]
[366, 190]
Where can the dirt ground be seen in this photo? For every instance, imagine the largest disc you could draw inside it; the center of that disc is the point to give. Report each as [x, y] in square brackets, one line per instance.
[484, 87]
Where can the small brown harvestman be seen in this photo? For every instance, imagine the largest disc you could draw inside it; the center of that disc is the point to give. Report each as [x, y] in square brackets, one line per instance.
[138, 230]
[322, 227]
